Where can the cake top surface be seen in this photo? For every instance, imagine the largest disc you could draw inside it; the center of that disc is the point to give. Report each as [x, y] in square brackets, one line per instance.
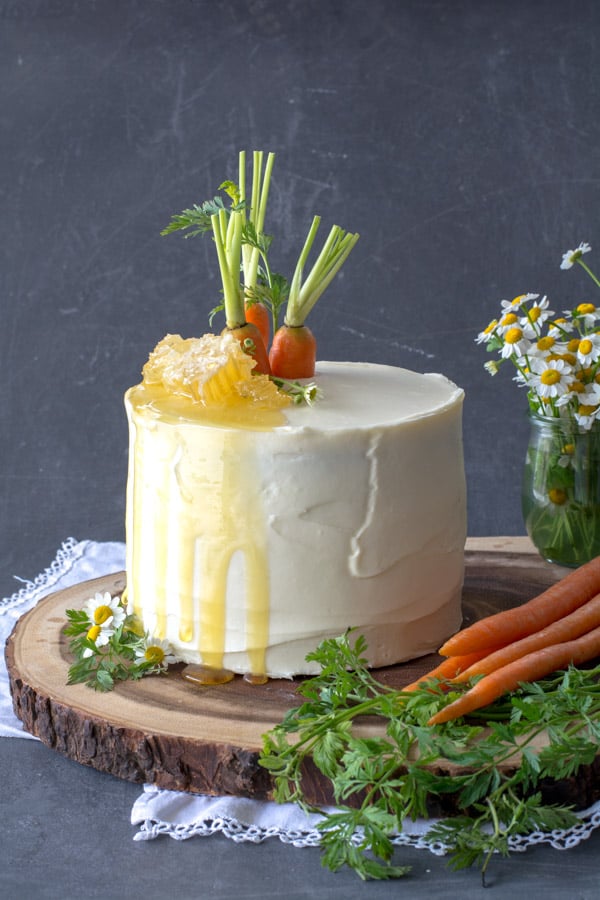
[354, 395]
[359, 394]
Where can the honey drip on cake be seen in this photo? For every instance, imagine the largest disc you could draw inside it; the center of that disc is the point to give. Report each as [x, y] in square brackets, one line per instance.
[194, 550]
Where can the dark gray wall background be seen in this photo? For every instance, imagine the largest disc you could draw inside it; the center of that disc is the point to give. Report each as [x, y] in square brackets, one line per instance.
[461, 139]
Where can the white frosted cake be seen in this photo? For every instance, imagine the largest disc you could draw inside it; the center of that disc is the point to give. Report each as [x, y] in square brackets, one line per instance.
[253, 533]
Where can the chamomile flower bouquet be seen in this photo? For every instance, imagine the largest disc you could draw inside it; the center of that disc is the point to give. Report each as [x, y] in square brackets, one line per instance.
[555, 356]
[110, 646]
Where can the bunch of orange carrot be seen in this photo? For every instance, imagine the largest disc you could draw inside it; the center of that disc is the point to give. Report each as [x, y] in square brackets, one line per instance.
[242, 246]
[557, 628]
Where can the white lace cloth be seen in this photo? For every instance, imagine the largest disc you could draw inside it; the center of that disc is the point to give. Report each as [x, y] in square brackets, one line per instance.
[180, 815]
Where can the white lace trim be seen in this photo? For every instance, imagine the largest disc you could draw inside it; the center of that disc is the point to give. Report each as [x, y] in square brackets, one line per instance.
[241, 832]
[70, 551]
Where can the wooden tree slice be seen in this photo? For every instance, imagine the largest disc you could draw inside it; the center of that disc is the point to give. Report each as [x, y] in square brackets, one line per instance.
[164, 731]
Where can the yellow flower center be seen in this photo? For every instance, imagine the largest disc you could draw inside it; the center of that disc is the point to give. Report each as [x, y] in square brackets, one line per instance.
[569, 449]
[534, 313]
[586, 308]
[573, 345]
[154, 655]
[513, 335]
[93, 632]
[586, 410]
[550, 376]
[509, 319]
[585, 346]
[545, 343]
[517, 300]
[491, 326]
[578, 387]
[102, 614]
[557, 496]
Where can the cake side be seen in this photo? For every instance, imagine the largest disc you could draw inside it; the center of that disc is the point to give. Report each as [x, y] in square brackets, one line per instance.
[247, 547]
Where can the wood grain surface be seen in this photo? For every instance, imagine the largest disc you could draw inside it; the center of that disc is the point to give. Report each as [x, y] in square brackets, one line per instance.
[164, 731]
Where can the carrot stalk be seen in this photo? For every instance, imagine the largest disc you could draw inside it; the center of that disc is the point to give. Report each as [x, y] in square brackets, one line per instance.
[304, 293]
[557, 601]
[335, 251]
[293, 352]
[227, 232]
[257, 209]
[448, 669]
[526, 669]
[255, 212]
[572, 626]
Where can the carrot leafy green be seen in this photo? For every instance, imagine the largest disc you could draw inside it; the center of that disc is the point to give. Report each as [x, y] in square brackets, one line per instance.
[382, 777]
[243, 248]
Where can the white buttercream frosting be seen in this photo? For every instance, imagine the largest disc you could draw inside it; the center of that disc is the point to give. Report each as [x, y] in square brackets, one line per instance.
[245, 548]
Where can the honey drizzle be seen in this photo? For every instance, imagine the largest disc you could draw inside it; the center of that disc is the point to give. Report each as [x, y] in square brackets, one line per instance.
[202, 537]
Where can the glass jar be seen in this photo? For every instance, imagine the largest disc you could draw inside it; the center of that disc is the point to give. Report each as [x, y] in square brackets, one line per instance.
[561, 490]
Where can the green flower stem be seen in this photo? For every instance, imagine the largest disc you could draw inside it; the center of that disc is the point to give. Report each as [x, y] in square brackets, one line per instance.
[583, 265]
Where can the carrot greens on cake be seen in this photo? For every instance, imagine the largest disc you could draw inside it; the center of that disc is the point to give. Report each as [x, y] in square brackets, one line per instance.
[243, 249]
[293, 353]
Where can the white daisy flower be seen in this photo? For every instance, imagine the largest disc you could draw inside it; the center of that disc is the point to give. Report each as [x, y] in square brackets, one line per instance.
[106, 612]
[586, 415]
[575, 394]
[586, 314]
[100, 636]
[515, 343]
[566, 458]
[550, 378]
[508, 320]
[512, 305]
[157, 652]
[538, 313]
[484, 336]
[588, 349]
[546, 344]
[571, 256]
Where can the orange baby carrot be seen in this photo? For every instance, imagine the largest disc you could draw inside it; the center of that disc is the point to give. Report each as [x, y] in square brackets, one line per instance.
[526, 669]
[293, 352]
[259, 315]
[557, 601]
[569, 627]
[448, 669]
[252, 343]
